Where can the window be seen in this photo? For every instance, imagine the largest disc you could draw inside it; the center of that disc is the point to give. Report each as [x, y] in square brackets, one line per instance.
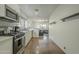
[26, 24]
[23, 23]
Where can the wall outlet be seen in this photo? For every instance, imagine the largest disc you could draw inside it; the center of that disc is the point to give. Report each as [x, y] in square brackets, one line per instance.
[64, 47]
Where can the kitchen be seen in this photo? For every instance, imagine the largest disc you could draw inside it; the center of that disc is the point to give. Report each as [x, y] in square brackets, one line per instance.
[12, 38]
[39, 28]
[16, 30]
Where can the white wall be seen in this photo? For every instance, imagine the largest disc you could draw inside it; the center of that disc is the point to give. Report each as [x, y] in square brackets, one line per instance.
[65, 33]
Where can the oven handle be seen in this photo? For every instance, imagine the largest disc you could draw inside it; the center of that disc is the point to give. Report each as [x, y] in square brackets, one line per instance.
[19, 38]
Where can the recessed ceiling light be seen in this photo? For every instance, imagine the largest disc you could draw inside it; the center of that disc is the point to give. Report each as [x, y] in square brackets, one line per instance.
[36, 11]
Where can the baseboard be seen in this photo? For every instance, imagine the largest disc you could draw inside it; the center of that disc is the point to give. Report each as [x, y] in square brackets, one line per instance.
[57, 45]
[35, 37]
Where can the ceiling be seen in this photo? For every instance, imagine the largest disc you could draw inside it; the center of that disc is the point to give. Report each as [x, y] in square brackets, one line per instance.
[44, 10]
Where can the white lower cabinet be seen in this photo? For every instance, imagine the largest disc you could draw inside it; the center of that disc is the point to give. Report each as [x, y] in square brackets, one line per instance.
[28, 37]
[6, 46]
[35, 33]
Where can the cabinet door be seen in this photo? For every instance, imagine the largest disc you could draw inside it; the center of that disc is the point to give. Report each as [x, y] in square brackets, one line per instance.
[36, 33]
[2, 10]
[6, 46]
[27, 37]
[14, 7]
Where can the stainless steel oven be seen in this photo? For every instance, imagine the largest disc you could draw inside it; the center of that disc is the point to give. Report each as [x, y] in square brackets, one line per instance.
[18, 43]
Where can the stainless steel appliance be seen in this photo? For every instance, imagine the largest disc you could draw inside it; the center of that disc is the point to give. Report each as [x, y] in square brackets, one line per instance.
[42, 32]
[16, 29]
[8, 14]
[18, 43]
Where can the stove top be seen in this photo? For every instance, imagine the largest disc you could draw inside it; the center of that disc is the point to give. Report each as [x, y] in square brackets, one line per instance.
[13, 34]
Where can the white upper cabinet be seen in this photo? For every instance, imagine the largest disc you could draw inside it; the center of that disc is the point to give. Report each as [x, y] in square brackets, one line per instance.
[2, 10]
[14, 7]
[9, 12]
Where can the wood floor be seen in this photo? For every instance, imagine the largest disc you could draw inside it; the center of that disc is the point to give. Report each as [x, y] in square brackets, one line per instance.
[42, 46]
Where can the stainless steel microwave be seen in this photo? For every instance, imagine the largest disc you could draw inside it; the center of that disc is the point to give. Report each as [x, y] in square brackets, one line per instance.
[8, 14]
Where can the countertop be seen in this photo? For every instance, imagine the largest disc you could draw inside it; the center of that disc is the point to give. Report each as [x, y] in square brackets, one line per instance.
[3, 38]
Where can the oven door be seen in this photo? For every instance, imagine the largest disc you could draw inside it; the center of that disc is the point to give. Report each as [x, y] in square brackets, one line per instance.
[17, 45]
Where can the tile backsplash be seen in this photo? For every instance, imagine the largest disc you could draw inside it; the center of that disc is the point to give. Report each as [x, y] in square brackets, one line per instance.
[3, 24]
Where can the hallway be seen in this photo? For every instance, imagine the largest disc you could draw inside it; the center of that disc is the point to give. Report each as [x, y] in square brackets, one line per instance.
[41, 46]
